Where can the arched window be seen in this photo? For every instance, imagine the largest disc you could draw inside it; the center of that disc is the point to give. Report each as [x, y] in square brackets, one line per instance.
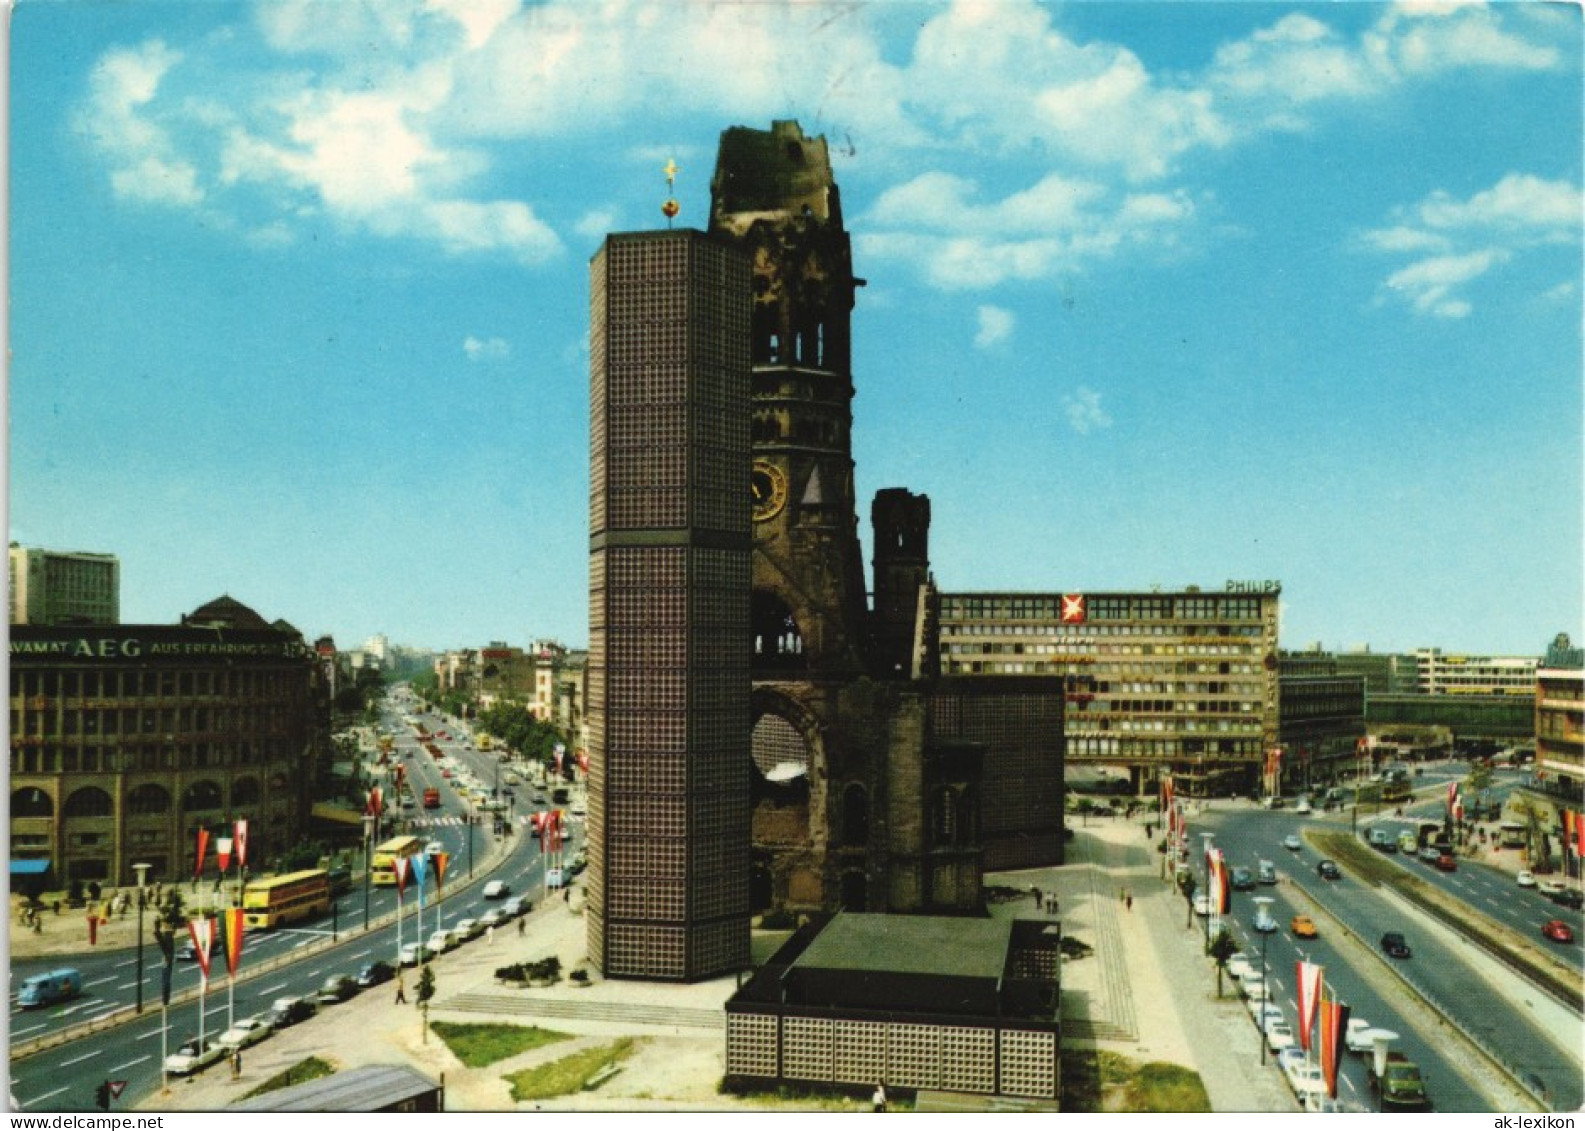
[777, 641]
[202, 795]
[149, 799]
[855, 815]
[89, 802]
[244, 792]
[779, 751]
[31, 802]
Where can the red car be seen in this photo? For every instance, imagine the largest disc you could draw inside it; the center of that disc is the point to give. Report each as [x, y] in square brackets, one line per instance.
[1446, 863]
[1558, 931]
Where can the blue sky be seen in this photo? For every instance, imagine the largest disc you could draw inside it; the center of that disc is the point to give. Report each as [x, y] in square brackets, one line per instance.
[1159, 294]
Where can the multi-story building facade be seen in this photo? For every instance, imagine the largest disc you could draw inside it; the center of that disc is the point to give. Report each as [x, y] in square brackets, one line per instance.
[127, 738]
[64, 587]
[1162, 682]
[1439, 673]
[668, 831]
[1321, 718]
[1385, 673]
[1560, 727]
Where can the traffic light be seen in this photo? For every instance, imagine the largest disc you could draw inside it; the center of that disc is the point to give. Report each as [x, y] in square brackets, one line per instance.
[102, 1095]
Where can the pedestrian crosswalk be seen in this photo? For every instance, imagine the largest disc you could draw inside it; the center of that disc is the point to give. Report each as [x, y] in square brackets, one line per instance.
[454, 820]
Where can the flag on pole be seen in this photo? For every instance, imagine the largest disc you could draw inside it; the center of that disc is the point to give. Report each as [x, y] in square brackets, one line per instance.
[1452, 796]
[234, 927]
[1224, 885]
[242, 843]
[1310, 978]
[420, 870]
[203, 935]
[441, 860]
[1334, 1024]
[223, 852]
[400, 868]
[167, 943]
[203, 851]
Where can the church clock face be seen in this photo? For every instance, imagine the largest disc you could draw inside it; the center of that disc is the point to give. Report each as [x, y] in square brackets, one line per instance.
[769, 486]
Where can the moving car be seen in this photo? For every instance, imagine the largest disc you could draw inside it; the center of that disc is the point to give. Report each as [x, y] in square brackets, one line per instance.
[1430, 854]
[1292, 842]
[1446, 863]
[496, 889]
[1242, 879]
[1394, 945]
[1266, 872]
[1303, 927]
[248, 1031]
[1558, 931]
[1548, 887]
[46, 989]
[1328, 870]
[1525, 879]
[337, 988]
[374, 973]
[1264, 923]
[193, 1056]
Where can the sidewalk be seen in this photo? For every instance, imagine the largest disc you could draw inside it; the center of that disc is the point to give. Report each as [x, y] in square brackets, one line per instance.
[1147, 992]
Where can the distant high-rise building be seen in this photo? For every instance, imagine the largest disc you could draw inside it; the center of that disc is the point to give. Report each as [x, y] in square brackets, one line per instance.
[64, 587]
[669, 677]
[1442, 673]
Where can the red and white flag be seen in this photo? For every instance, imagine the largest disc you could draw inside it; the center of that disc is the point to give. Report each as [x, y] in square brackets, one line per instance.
[203, 935]
[1452, 796]
[242, 844]
[1310, 977]
[223, 852]
[400, 868]
[203, 851]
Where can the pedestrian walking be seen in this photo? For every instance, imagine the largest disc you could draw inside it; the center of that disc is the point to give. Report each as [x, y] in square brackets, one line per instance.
[1034, 891]
[236, 1063]
[489, 936]
[522, 927]
[878, 1100]
[1128, 901]
[401, 989]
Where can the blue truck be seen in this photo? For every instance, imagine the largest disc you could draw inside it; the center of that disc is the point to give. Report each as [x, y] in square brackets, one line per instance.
[47, 989]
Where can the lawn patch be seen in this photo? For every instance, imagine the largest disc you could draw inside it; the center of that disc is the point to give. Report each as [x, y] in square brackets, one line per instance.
[479, 1046]
[570, 1073]
[300, 1073]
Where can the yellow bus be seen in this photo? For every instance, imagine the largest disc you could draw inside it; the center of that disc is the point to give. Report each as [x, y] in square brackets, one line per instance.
[383, 871]
[285, 899]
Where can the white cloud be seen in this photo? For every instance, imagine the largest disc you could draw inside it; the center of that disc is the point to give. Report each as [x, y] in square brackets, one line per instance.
[485, 349]
[995, 325]
[1085, 414]
[1461, 240]
[594, 225]
[142, 162]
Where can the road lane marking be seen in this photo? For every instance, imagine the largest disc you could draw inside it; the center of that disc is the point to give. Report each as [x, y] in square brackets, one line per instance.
[45, 1096]
[29, 1029]
[130, 1063]
[146, 1036]
[80, 1059]
[272, 989]
[101, 981]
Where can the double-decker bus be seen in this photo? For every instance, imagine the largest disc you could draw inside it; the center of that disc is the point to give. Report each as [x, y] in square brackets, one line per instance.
[285, 899]
[383, 871]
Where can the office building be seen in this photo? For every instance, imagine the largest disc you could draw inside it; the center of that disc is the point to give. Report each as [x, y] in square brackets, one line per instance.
[61, 587]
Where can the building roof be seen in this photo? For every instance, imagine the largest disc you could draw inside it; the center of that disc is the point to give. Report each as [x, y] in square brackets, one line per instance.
[910, 944]
[370, 1088]
[224, 611]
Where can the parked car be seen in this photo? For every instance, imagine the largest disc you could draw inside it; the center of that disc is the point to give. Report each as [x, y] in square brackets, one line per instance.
[248, 1031]
[1202, 903]
[1548, 887]
[1278, 1034]
[497, 889]
[553, 878]
[1239, 966]
[286, 1011]
[492, 918]
[441, 941]
[1303, 927]
[193, 1056]
[374, 973]
[468, 928]
[1292, 842]
[1558, 931]
[1264, 923]
[1266, 872]
[1253, 986]
[515, 906]
[1394, 945]
[337, 988]
[187, 952]
[1328, 870]
[1264, 1011]
[413, 953]
[1525, 879]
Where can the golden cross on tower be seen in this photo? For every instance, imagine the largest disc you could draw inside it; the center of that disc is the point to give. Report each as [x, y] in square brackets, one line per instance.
[671, 207]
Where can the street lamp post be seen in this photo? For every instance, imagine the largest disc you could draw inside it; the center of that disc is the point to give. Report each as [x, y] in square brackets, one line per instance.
[1260, 903]
[470, 844]
[368, 862]
[143, 874]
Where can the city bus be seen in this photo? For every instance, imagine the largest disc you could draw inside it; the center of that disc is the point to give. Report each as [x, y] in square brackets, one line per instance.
[285, 899]
[383, 871]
